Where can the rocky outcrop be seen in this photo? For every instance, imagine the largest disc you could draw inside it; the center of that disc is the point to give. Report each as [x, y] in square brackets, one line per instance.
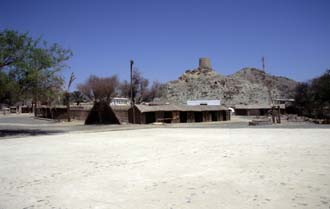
[247, 86]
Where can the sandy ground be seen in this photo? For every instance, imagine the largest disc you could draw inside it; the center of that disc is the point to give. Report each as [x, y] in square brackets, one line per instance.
[22, 125]
[168, 168]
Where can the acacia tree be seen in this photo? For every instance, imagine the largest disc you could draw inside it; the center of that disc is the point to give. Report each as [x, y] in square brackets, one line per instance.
[33, 65]
[303, 98]
[321, 88]
[39, 76]
[13, 48]
[100, 89]
[313, 98]
[9, 89]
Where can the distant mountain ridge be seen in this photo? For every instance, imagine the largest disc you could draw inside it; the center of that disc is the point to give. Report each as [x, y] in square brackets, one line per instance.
[247, 86]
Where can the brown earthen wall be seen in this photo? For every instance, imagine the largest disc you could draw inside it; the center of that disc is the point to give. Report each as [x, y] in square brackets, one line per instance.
[60, 113]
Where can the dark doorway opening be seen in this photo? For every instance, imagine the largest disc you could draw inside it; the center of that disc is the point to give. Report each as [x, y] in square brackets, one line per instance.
[224, 115]
[214, 116]
[263, 112]
[150, 117]
[198, 117]
[167, 117]
[291, 110]
[183, 117]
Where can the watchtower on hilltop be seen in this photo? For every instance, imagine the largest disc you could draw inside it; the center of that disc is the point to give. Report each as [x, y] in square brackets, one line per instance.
[205, 63]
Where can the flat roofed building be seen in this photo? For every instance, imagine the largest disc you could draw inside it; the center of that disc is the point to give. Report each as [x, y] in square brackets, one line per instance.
[203, 102]
[120, 101]
[283, 101]
[178, 113]
[255, 109]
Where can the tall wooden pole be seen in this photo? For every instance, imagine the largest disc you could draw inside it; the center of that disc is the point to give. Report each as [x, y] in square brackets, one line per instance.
[132, 99]
[278, 114]
[67, 94]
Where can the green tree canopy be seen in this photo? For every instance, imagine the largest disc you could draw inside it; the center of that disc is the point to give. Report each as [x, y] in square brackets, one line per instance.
[313, 98]
[14, 47]
[33, 65]
[9, 89]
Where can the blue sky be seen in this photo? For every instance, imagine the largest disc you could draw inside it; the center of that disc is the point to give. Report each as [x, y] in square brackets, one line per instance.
[167, 37]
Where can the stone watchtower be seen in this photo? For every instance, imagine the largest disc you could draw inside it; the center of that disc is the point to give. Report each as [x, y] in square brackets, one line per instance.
[204, 63]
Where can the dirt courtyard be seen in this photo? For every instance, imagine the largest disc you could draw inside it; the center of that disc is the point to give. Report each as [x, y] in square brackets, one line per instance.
[168, 168]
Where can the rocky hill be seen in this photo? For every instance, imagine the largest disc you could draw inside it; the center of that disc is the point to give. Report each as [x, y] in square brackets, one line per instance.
[247, 86]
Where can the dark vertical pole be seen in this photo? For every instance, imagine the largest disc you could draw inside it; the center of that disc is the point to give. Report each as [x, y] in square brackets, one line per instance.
[263, 63]
[279, 114]
[132, 100]
[36, 99]
[72, 78]
[67, 95]
[273, 114]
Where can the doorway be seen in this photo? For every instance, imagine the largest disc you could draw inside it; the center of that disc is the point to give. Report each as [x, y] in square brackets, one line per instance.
[198, 117]
[167, 117]
[150, 117]
[214, 116]
[183, 117]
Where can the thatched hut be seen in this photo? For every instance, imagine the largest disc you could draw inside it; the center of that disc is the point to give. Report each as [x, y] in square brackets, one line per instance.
[101, 113]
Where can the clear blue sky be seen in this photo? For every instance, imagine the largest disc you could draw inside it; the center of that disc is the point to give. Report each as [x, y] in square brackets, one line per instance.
[167, 37]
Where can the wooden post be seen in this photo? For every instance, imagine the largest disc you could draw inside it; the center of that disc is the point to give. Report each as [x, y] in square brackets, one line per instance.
[72, 78]
[279, 114]
[67, 95]
[132, 99]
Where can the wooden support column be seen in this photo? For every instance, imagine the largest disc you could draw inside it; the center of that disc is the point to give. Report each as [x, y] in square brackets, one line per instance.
[273, 114]
[190, 117]
[176, 117]
[279, 114]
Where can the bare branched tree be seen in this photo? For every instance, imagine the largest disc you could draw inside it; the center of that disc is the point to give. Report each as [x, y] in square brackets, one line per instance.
[157, 90]
[141, 90]
[100, 89]
[140, 87]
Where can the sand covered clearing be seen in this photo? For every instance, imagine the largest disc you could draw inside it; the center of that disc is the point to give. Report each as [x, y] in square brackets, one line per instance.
[168, 168]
